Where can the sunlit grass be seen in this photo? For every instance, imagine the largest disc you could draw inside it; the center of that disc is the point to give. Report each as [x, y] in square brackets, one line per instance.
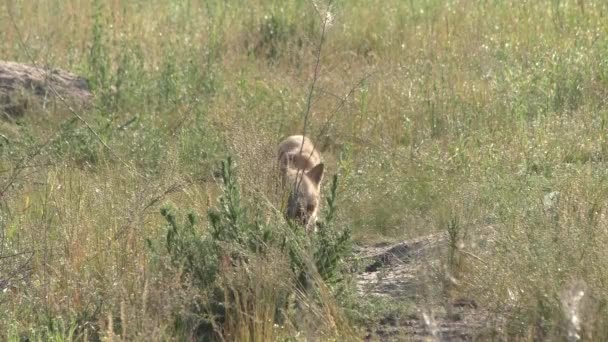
[428, 111]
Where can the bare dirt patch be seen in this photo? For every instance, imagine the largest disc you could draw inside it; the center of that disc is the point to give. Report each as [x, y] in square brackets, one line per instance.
[409, 274]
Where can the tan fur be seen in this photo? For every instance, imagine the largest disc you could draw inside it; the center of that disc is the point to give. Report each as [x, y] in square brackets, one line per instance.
[302, 173]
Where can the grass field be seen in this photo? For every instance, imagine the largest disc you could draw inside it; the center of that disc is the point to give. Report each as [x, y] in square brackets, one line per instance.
[485, 119]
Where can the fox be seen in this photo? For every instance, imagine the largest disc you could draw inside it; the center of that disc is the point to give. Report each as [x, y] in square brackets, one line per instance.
[301, 172]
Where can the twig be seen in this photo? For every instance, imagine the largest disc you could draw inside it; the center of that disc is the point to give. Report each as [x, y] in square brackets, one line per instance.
[175, 187]
[19, 167]
[14, 255]
[316, 71]
[22, 167]
[473, 256]
[300, 175]
[341, 104]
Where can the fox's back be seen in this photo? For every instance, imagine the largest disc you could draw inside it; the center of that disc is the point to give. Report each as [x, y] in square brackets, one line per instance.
[298, 152]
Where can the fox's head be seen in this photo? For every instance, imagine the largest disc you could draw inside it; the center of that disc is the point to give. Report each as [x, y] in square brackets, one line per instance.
[304, 199]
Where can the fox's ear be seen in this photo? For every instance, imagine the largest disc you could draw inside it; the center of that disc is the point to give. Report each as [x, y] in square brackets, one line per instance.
[316, 174]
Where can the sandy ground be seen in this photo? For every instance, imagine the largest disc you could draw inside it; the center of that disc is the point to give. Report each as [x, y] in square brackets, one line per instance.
[409, 273]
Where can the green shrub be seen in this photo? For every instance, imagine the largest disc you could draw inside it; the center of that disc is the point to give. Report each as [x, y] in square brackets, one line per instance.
[238, 238]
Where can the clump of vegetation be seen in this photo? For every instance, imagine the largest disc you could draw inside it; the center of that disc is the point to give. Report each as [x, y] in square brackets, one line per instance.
[220, 262]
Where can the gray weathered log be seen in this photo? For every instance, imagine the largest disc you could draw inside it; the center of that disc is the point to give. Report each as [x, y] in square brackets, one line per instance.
[23, 84]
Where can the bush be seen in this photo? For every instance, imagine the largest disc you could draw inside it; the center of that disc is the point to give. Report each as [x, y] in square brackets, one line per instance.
[249, 267]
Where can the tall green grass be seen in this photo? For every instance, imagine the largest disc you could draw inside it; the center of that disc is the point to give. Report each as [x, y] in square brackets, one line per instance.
[431, 112]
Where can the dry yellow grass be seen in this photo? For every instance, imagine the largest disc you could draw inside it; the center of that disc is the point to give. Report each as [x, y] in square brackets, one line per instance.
[428, 111]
